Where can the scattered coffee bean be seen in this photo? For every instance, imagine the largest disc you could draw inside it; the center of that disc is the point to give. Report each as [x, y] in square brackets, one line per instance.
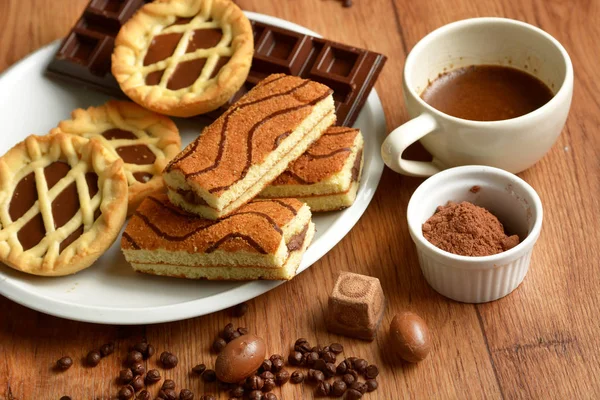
[186, 394]
[267, 375]
[266, 366]
[302, 346]
[268, 385]
[360, 386]
[338, 388]
[143, 395]
[311, 358]
[64, 363]
[218, 345]
[336, 348]
[323, 389]
[353, 394]
[65, 398]
[168, 394]
[324, 350]
[255, 395]
[371, 385]
[297, 377]
[227, 331]
[93, 358]
[125, 376]
[138, 383]
[350, 361]
[152, 376]
[168, 360]
[360, 365]
[347, 3]
[168, 384]
[209, 375]
[371, 371]
[107, 349]
[320, 365]
[133, 357]
[142, 347]
[315, 375]
[329, 370]
[126, 393]
[276, 363]
[269, 396]
[237, 391]
[242, 331]
[328, 356]
[199, 369]
[282, 377]
[341, 368]
[138, 368]
[354, 374]
[208, 397]
[234, 335]
[254, 382]
[317, 349]
[348, 379]
[240, 310]
[149, 351]
[295, 358]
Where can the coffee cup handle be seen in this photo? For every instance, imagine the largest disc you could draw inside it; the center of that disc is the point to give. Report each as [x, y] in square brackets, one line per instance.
[402, 137]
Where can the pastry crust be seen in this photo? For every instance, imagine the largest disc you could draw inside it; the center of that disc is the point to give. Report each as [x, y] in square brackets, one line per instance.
[98, 219]
[155, 131]
[165, 17]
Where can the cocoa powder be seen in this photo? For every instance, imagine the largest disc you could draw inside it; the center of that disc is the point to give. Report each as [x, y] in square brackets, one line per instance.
[467, 230]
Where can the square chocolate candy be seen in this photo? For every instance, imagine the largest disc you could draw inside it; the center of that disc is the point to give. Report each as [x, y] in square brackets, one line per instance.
[356, 306]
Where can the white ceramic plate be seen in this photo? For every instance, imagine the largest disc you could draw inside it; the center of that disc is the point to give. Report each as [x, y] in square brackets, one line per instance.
[109, 292]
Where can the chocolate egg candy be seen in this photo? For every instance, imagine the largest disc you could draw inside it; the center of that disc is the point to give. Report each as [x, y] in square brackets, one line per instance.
[240, 358]
[410, 337]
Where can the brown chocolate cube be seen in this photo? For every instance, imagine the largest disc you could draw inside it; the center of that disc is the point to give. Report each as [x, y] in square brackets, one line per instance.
[356, 306]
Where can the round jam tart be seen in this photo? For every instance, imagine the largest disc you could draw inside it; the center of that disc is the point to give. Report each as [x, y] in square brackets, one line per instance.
[144, 140]
[63, 201]
[183, 57]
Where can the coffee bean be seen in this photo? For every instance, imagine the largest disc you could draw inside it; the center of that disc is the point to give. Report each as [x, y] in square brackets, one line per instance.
[319, 364]
[168, 360]
[227, 331]
[269, 384]
[65, 398]
[266, 366]
[354, 374]
[350, 361]
[302, 346]
[276, 362]
[93, 358]
[137, 383]
[218, 345]
[328, 356]
[199, 369]
[269, 396]
[360, 365]
[360, 386]
[208, 397]
[254, 382]
[149, 351]
[168, 384]
[64, 363]
[240, 310]
[297, 377]
[133, 357]
[371, 371]
[341, 368]
[371, 385]
[282, 377]
[255, 395]
[347, 3]
[295, 358]
[338, 388]
[336, 348]
[329, 370]
[152, 376]
[353, 394]
[267, 375]
[348, 379]
[323, 389]
[143, 395]
[317, 349]
[299, 341]
[126, 393]
[138, 368]
[237, 391]
[234, 335]
[209, 376]
[311, 357]
[125, 376]
[141, 347]
[316, 375]
[168, 394]
[107, 349]
[324, 350]
[186, 394]
[242, 331]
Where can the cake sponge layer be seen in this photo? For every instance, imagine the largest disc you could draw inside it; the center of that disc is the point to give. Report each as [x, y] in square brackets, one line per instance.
[262, 234]
[250, 145]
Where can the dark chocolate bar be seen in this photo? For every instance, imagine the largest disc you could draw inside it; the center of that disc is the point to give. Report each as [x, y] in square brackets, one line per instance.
[84, 57]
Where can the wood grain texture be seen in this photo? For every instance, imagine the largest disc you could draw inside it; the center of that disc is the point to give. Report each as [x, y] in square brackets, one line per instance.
[542, 341]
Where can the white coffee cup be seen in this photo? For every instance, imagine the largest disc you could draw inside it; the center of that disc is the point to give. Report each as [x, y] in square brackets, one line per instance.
[513, 144]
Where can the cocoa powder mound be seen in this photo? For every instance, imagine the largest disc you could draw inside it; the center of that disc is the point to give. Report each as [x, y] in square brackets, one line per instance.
[467, 230]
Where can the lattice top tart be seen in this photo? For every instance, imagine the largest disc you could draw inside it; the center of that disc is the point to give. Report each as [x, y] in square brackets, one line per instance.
[63, 201]
[183, 57]
[146, 142]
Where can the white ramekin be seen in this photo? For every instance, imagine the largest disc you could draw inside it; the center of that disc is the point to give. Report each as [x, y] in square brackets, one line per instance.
[511, 199]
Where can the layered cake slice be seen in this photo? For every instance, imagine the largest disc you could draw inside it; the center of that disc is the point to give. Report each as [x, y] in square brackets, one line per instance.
[264, 239]
[326, 177]
[249, 146]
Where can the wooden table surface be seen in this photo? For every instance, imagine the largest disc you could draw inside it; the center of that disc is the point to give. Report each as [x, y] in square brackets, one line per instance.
[542, 341]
